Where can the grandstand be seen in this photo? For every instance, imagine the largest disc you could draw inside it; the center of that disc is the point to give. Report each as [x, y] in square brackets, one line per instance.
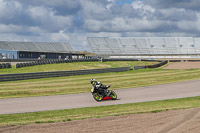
[48, 50]
[148, 47]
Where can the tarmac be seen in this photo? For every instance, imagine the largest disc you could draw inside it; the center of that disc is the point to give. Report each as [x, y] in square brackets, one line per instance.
[131, 95]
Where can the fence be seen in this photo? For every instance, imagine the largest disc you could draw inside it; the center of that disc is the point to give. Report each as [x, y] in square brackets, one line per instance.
[131, 59]
[151, 66]
[24, 76]
[157, 65]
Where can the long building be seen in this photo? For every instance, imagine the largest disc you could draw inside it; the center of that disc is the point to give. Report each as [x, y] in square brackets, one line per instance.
[145, 46]
[48, 50]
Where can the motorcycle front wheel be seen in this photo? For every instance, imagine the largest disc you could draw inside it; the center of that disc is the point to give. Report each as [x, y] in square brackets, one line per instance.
[113, 95]
[98, 97]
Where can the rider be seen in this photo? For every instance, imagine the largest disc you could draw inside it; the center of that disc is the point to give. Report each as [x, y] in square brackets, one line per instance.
[99, 86]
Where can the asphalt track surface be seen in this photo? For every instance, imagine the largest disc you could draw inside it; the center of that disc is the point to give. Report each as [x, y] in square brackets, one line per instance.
[131, 95]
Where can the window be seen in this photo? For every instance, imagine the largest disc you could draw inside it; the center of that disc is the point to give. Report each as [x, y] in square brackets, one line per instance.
[21, 55]
[43, 56]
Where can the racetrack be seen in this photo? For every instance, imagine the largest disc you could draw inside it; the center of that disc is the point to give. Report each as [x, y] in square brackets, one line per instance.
[131, 95]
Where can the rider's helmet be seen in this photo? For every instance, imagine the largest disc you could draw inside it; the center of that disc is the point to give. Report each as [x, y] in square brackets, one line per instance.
[93, 81]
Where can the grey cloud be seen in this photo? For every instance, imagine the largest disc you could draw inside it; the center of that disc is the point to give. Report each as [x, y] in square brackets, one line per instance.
[60, 7]
[187, 4]
[125, 10]
[175, 14]
[143, 18]
[95, 9]
[14, 13]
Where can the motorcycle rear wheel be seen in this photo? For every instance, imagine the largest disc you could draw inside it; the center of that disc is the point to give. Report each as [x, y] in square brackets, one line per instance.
[98, 97]
[113, 95]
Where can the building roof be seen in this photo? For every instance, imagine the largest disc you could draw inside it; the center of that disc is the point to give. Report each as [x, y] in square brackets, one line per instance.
[54, 47]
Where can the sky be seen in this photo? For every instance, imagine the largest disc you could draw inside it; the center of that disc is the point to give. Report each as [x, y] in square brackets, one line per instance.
[74, 20]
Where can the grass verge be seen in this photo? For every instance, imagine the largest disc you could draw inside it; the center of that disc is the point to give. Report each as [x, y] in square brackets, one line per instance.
[101, 111]
[80, 84]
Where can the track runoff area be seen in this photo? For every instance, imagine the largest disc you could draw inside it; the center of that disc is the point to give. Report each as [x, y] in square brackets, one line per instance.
[131, 95]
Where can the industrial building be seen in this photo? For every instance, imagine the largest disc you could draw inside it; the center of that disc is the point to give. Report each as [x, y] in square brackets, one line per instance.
[33, 50]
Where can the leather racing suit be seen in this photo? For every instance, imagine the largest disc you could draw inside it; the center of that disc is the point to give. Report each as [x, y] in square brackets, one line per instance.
[100, 87]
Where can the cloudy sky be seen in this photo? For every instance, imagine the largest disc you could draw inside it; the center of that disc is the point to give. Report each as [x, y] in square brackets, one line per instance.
[74, 20]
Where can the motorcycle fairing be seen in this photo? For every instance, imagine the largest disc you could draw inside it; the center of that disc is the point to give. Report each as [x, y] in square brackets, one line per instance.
[107, 98]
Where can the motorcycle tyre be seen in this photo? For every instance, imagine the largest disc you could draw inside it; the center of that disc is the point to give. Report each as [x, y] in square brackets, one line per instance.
[113, 95]
[97, 98]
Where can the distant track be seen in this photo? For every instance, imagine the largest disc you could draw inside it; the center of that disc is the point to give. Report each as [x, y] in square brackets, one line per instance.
[132, 95]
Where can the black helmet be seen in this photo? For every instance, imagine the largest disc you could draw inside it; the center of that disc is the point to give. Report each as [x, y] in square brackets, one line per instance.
[92, 81]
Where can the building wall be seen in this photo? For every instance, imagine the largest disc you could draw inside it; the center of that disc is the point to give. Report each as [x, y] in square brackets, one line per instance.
[44, 55]
[35, 55]
[8, 54]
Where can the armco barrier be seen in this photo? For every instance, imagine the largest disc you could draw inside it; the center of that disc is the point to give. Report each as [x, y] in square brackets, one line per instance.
[151, 66]
[24, 76]
[104, 60]
[138, 67]
[157, 65]
[131, 59]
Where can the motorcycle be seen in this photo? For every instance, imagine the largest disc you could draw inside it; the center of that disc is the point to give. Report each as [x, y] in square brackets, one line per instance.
[103, 94]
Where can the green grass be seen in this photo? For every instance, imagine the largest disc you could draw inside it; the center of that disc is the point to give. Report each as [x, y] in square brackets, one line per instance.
[74, 66]
[96, 112]
[80, 84]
